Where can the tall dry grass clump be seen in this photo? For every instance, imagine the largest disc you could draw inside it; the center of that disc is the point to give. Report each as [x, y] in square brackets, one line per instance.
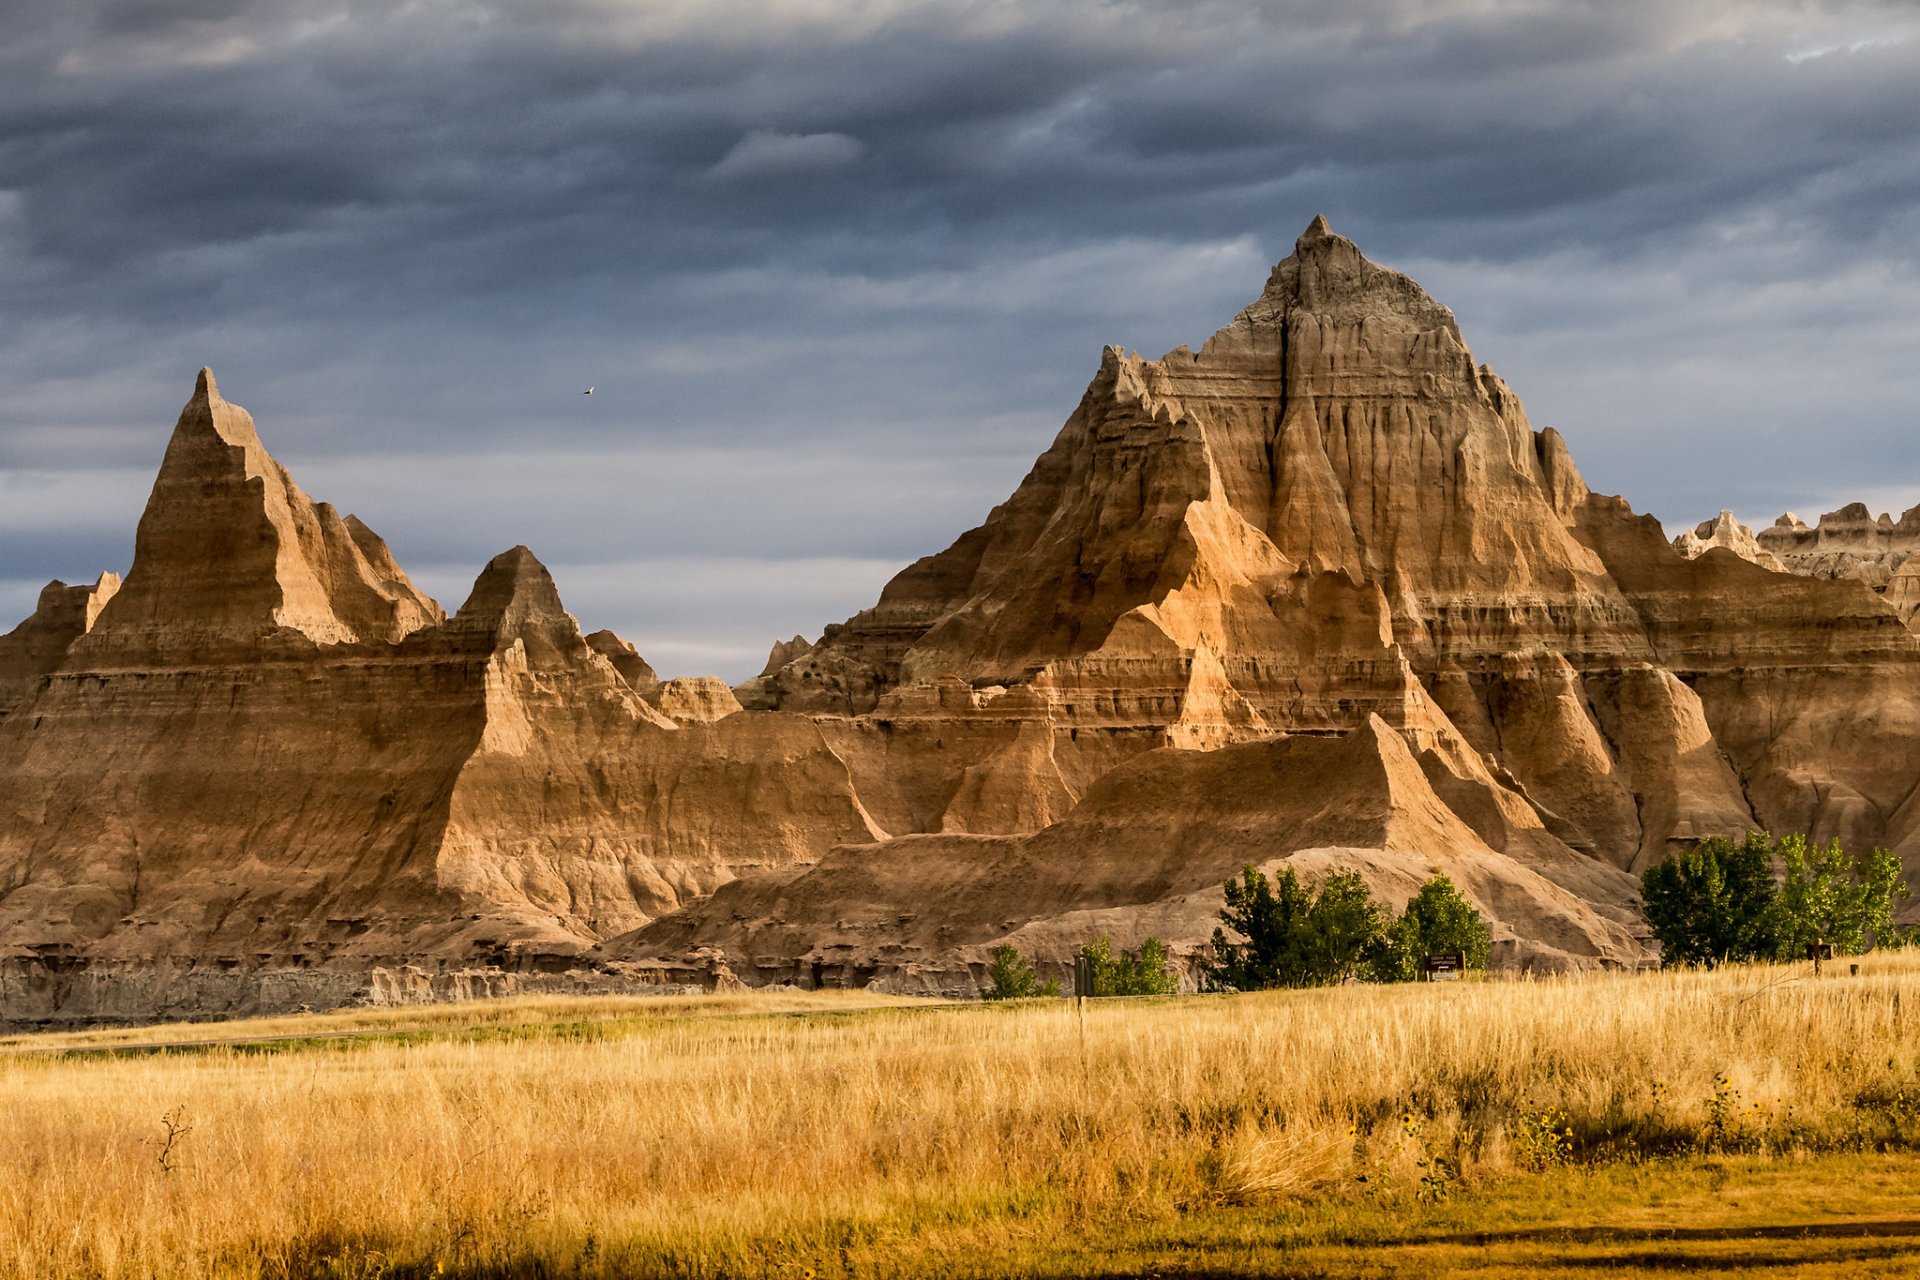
[710, 1138]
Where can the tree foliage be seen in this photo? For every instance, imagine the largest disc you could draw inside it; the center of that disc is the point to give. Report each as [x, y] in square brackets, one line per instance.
[1437, 920]
[1131, 973]
[1714, 903]
[1826, 896]
[1011, 977]
[1291, 936]
[1767, 899]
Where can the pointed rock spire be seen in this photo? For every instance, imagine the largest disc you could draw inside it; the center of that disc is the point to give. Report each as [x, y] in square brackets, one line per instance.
[230, 550]
[634, 669]
[785, 651]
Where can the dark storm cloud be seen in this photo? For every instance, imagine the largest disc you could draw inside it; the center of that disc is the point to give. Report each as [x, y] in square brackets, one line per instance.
[839, 267]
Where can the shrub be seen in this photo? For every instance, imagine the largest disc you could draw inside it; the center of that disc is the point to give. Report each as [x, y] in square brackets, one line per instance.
[1271, 925]
[1141, 973]
[1012, 978]
[1827, 896]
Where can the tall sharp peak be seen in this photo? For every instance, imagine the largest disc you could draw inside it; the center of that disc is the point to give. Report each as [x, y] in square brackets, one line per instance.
[1319, 241]
[1327, 272]
[207, 410]
[634, 669]
[230, 551]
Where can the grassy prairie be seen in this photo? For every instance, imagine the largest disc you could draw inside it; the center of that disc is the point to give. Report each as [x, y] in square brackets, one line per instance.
[1413, 1130]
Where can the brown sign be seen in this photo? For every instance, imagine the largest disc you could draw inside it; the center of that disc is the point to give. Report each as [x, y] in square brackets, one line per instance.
[1819, 951]
[1445, 966]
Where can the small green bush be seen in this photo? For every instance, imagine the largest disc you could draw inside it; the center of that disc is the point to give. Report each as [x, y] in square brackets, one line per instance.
[1437, 920]
[1131, 973]
[1827, 896]
[1011, 977]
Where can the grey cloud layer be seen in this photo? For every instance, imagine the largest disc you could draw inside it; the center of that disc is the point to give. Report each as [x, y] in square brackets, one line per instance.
[875, 247]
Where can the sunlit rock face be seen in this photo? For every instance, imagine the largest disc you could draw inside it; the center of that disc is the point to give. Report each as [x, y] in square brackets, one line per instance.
[1724, 530]
[1315, 594]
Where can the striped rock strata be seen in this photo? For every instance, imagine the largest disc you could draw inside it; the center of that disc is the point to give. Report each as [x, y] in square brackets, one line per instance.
[1316, 593]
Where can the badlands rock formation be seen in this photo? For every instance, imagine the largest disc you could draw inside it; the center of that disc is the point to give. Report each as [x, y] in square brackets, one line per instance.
[37, 646]
[1316, 593]
[1724, 530]
[270, 767]
[1849, 543]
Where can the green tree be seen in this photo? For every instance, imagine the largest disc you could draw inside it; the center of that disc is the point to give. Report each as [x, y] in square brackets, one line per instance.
[1268, 924]
[1345, 928]
[1438, 919]
[1715, 903]
[1827, 896]
[1142, 973]
[1012, 978]
[1722, 902]
[1291, 936]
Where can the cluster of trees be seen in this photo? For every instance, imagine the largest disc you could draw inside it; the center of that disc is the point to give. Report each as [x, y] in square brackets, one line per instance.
[1767, 899]
[1130, 973]
[1760, 899]
[1289, 936]
[1297, 937]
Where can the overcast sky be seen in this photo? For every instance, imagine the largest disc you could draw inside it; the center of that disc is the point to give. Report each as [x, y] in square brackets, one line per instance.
[840, 268]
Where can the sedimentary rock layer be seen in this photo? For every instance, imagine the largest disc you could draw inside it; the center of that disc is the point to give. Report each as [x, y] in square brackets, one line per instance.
[1850, 543]
[1315, 594]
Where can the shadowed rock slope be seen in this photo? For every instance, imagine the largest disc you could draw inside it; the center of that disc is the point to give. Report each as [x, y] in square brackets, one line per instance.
[1316, 593]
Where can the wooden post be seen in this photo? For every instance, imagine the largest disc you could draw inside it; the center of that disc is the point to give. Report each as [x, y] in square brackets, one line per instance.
[1082, 988]
[1818, 951]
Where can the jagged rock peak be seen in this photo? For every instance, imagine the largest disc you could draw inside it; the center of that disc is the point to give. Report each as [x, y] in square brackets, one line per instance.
[39, 644]
[515, 599]
[785, 651]
[1854, 544]
[1337, 425]
[1317, 229]
[1725, 530]
[513, 586]
[84, 601]
[634, 669]
[230, 551]
[1562, 478]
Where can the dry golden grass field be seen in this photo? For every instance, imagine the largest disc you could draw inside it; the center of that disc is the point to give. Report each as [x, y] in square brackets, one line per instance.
[1746, 1122]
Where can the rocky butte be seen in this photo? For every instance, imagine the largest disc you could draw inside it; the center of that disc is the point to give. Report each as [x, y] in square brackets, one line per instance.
[1316, 593]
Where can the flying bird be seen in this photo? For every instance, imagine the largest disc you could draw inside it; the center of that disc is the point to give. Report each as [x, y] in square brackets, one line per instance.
[589, 390]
